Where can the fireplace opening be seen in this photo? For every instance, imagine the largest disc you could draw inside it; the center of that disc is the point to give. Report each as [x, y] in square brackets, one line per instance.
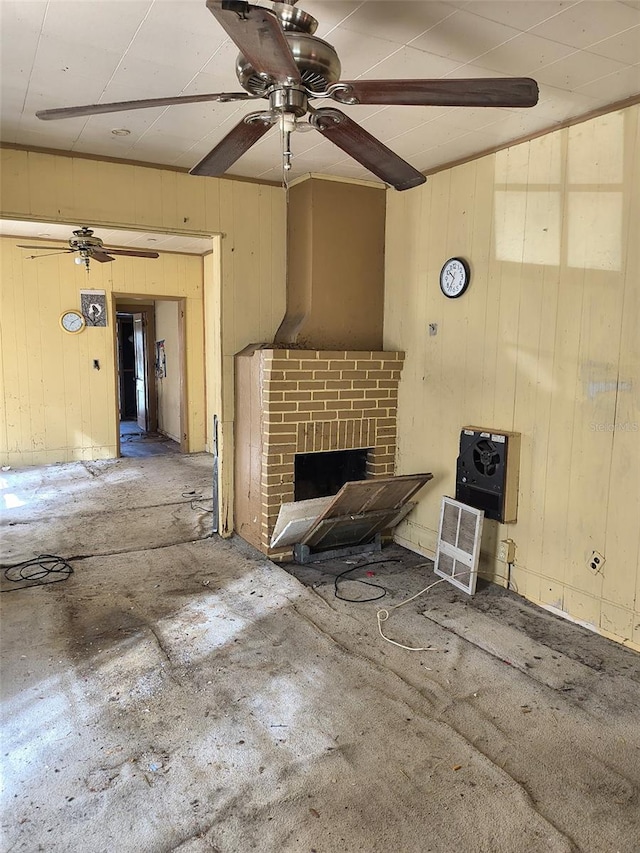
[318, 475]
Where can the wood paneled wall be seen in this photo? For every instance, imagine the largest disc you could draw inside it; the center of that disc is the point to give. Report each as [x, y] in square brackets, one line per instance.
[249, 284]
[544, 342]
[168, 385]
[57, 407]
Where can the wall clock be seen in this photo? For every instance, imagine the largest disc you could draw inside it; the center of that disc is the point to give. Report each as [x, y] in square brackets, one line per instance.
[454, 277]
[72, 321]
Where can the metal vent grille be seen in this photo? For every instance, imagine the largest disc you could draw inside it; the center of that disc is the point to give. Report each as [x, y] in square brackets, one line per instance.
[459, 544]
[311, 79]
[256, 85]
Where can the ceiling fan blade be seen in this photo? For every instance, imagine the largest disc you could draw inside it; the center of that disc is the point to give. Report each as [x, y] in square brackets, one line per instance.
[475, 92]
[47, 248]
[233, 146]
[132, 253]
[259, 37]
[366, 149]
[100, 256]
[48, 255]
[120, 106]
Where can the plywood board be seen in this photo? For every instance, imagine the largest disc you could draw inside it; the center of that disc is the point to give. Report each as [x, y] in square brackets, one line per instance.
[295, 519]
[363, 508]
[370, 495]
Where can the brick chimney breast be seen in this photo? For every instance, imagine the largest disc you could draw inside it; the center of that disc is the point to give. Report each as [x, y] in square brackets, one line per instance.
[292, 401]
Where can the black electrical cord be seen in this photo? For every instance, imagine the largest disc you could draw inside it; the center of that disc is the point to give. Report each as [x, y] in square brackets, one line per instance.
[33, 572]
[195, 497]
[195, 505]
[337, 578]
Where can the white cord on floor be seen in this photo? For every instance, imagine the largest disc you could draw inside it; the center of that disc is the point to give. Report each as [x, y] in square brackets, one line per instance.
[383, 615]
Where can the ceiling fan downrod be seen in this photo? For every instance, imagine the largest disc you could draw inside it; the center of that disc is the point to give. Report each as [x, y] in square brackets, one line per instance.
[288, 104]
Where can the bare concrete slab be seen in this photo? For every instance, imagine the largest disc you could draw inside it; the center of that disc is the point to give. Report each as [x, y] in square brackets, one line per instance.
[105, 507]
[196, 697]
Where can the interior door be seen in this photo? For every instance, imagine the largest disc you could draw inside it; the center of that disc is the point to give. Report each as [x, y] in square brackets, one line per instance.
[139, 344]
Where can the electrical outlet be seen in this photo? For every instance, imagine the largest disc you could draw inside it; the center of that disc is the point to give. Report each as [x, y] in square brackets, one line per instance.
[595, 561]
[507, 551]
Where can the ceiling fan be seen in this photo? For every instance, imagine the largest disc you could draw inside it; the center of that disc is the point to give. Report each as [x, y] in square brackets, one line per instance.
[89, 248]
[282, 61]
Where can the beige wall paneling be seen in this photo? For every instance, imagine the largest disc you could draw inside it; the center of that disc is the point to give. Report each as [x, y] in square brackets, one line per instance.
[548, 332]
[622, 546]
[183, 312]
[410, 238]
[13, 337]
[169, 385]
[477, 249]
[427, 226]
[246, 309]
[214, 386]
[252, 251]
[530, 415]
[446, 361]
[212, 350]
[229, 345]
[47, 187]
[192, 326]
[56, 405]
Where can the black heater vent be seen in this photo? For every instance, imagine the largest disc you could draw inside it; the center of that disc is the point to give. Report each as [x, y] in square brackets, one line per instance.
[487, 472]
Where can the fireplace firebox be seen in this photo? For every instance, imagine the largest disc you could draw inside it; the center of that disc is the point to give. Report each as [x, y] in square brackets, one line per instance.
[317, 475]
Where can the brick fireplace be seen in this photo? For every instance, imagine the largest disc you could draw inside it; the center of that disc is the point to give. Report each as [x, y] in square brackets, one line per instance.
[294, 401]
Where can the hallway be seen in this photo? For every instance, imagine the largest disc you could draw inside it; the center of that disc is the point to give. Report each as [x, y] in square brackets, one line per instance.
[136, 443]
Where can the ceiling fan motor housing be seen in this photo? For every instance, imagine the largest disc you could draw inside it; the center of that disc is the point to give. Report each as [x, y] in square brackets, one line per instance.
[316, 59]
[84, 239]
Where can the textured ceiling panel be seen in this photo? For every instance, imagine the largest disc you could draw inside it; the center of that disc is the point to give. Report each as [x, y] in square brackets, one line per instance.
[584, 54]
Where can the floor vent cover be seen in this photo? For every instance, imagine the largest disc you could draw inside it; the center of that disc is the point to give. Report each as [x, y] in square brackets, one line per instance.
[459, 544]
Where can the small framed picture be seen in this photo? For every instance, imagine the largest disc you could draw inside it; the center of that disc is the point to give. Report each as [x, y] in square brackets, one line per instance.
[93, 304]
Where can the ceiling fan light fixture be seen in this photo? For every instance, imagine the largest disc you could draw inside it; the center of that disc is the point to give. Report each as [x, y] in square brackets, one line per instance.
[82, 260]
[287, 122]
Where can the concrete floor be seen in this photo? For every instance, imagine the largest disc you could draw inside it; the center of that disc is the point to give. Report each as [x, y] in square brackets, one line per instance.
[183, 693]
[136, 442]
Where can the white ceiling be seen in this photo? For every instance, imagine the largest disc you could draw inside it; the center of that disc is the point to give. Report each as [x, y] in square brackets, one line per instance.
[585, 54]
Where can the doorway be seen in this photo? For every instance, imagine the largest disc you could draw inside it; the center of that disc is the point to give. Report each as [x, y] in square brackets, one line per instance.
[150, 368]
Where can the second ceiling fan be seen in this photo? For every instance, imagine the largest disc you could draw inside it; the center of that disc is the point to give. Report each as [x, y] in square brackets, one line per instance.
[88, 248]
[282, 61]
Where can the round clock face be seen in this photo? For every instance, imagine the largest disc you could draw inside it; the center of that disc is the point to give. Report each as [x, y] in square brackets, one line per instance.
[72, 322]
[454, 277]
